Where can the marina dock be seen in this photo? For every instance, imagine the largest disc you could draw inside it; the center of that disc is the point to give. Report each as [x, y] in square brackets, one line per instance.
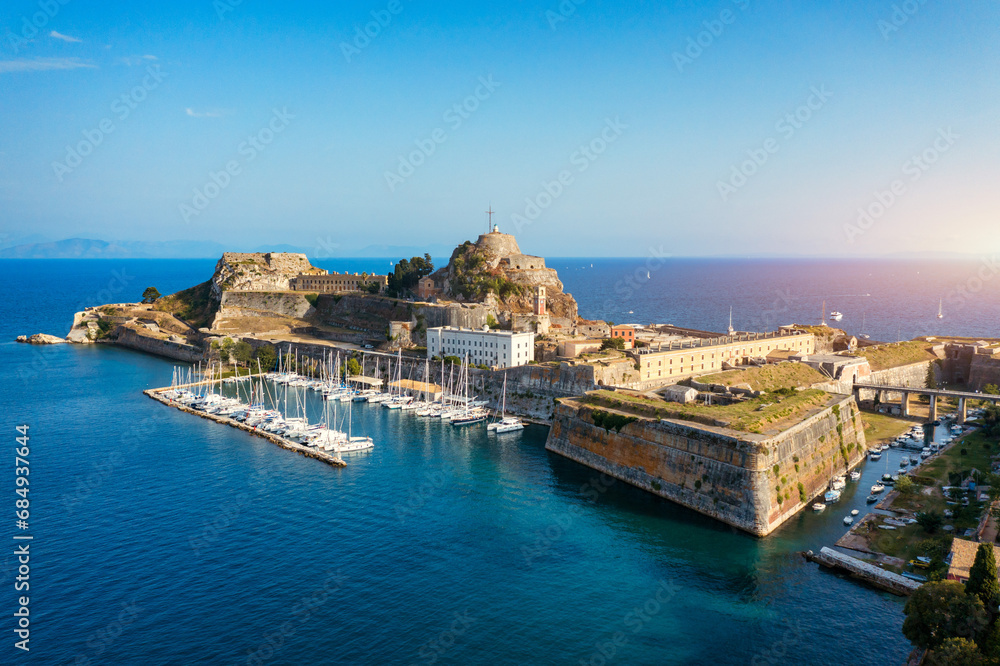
[334, 461]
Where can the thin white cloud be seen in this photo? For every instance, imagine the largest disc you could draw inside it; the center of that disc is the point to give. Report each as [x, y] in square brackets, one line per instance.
[42, 64]
[65, 38]
[132, 61]
[213, 113]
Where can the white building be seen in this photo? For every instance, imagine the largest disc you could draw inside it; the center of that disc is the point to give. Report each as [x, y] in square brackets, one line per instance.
[499, 349]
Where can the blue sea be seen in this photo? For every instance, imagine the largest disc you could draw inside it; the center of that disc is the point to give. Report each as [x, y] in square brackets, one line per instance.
[162, 538]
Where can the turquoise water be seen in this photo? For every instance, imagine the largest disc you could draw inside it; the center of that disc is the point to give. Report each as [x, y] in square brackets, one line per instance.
[161, 537]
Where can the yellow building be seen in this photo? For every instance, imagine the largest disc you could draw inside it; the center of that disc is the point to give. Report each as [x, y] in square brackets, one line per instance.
[681, 360]
[333, 283]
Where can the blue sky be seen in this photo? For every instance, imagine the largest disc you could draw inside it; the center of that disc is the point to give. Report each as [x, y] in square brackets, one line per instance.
[322, 141]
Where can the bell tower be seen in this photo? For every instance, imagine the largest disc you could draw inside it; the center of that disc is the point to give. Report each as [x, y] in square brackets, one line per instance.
[540, 300]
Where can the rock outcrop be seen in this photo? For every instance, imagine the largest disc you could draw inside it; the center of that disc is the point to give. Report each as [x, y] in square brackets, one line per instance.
[257, 271]
[495, 266]
[40, 339]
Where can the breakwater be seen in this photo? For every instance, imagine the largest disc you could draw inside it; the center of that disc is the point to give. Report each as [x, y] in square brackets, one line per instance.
[157, 394]
[865, 571]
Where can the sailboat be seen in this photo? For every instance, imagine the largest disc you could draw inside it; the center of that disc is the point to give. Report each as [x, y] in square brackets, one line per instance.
[469, 414]
[505, 423]
[863, 319]
[940, 310]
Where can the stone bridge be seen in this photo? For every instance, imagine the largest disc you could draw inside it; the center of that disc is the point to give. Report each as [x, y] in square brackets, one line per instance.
[907, 391]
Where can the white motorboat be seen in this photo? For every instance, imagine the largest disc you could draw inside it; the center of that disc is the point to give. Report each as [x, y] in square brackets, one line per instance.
[836, 316]
[831, 496]
[877, 488]
[819, 508]
[855, 512]
[848, 520]
[838, 484]
[855, 475]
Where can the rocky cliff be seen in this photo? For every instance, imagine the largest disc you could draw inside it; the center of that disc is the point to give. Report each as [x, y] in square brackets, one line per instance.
[494, 270]
[752, 482]
[257, 271]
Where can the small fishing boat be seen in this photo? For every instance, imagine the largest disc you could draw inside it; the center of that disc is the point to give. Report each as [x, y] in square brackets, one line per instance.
[877, 488]
[819, 508]
[904, 461]
[855, 512]
[848, 520]
[831, 496]
[874, 455]
[855, 475]
[838, 484]
[836, 316]
[871, 499]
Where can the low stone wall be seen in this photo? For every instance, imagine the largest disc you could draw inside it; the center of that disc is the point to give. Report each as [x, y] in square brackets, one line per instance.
[752, 482]
[982, 371]
[865, 571]
[130, 338]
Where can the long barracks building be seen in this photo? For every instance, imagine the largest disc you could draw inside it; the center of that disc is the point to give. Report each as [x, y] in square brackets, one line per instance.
[680, 360]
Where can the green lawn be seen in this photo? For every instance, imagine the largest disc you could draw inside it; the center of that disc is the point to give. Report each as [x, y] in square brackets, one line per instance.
[895, 355]
[751, 416]
[880, 427]
[769, 377]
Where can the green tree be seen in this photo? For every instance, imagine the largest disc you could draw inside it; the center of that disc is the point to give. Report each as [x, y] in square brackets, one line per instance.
[407, 273]
[931, 377]
[955, 651]
[939, 611]
[243, 352]
[983, 578]
[226, 349]
[150, 295]
[267, 356]
[991, 419]
[931, 521]
[905, 486]
[991, 389]
[353, 367]
[613, 343]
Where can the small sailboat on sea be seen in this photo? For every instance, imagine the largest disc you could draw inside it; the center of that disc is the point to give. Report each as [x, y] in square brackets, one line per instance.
[940, 310]
[504, 423]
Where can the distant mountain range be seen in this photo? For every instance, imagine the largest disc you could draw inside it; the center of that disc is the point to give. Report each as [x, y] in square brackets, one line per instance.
[87, 248]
